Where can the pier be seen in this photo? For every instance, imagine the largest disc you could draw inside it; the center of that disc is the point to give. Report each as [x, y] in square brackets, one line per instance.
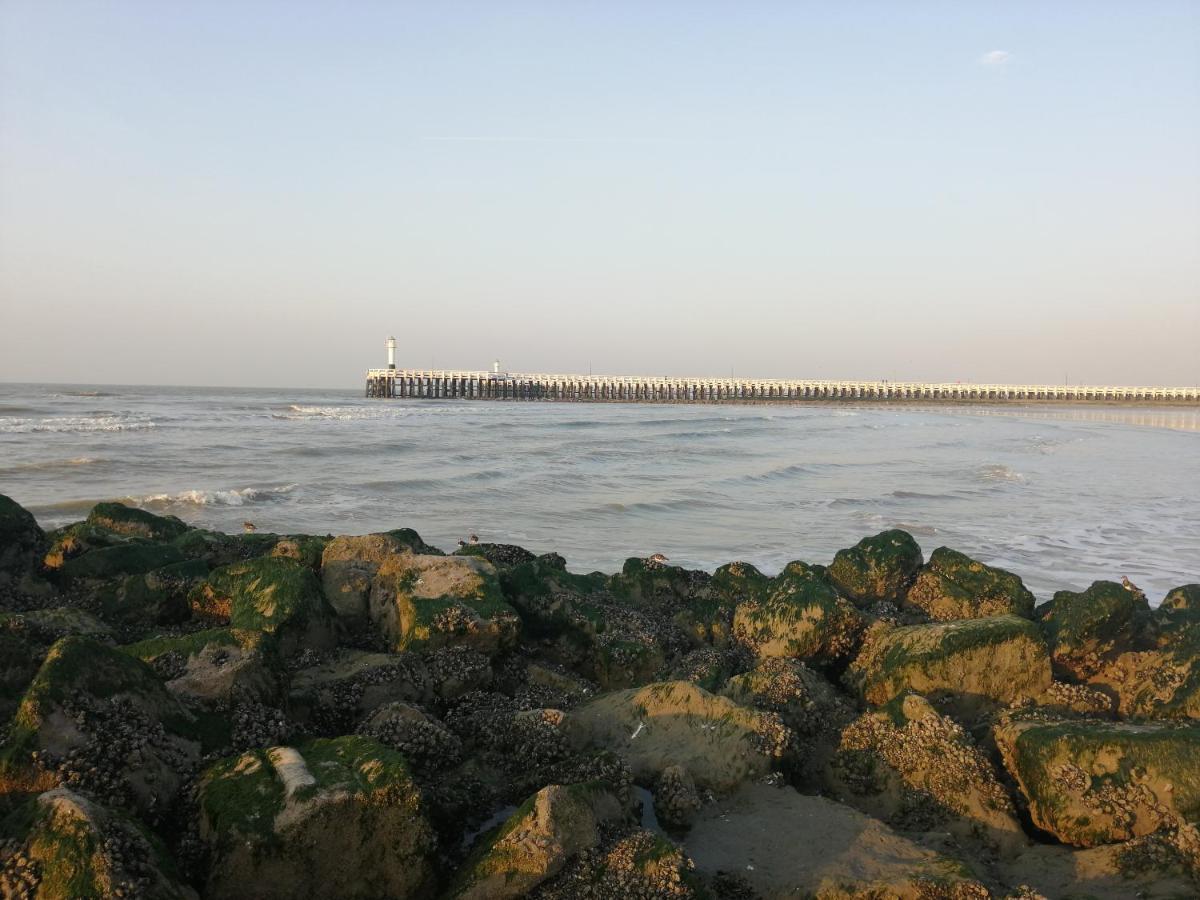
[455, 385]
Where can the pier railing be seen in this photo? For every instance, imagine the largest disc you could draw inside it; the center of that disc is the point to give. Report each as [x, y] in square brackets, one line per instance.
[448, 384]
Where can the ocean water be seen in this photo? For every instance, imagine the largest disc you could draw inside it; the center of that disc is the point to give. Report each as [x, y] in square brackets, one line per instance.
[1061, 495]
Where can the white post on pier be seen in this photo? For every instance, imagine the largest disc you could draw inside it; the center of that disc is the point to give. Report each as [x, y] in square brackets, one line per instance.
[391, 350]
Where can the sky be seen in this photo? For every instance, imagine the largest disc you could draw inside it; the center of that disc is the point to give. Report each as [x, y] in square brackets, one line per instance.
[259, 193]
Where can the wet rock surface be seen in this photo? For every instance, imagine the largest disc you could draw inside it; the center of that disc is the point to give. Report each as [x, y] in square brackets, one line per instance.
[193, 714]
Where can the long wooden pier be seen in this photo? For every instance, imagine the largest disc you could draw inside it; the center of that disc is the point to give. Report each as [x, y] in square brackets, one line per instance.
[436, 384]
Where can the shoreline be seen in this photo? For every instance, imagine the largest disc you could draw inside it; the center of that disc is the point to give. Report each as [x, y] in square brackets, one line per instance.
[486, 723]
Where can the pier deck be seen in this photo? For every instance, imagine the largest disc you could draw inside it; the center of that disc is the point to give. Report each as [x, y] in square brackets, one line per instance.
[436, 384]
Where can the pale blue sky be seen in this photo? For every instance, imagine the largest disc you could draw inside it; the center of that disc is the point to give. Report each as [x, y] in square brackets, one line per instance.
[258, 193]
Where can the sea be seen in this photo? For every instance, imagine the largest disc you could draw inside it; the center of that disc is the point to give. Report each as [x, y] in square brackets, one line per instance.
[1061, 495]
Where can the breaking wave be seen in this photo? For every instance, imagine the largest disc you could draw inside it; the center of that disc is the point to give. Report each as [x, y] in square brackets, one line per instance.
[239, 497]
[76, 424]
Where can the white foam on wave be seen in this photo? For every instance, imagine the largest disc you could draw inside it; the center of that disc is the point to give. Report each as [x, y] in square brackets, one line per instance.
[232, 497]
[304, 412]
[1000, 472]
[43, 465]
[74, 424]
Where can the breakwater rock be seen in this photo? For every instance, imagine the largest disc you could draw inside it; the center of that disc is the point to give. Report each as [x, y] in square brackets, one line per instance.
[191, 714]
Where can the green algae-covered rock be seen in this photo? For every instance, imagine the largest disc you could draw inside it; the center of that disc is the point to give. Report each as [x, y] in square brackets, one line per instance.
[413, 542]
[691, 599]
[679, 723]
[916, 769]
[1087, 628]
[24, 639]
[969, 663]
[74, 540]
[119, 561]
[81, 849]
[799, 615]
[329, 818]
[133, 522]
[21, 540]
[1163, 681]
[219, 549]
[1184, 597]
[1091, 782]
[157, 597]
[304, 548]
[553, 602]
[877, 568]
[436, 601]
[502, 556]
[535, 842]
[349, 565]
[219, 664]
[278, 596]
[111, 711]
[954, 586]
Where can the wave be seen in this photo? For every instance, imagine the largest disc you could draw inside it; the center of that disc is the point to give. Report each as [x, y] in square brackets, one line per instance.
[306, 412]
[917, 495]
[233, 497]
[1001, 473]
[76, 424]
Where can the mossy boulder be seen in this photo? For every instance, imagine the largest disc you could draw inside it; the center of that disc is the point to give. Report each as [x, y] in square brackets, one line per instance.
[278, 596]
[970, 664]
[24, 639]
[102, 707]
[131, 557]
[81, 849]
[678, 723]
[349, 565]
[877, 568]
[536, 841]
[502, 556]
[21, 539]
[219, 549]
[1185, 597]
[1088, 628]
[332, 696]
[304, 548]
[1090, 782]
[70, 541]
[801, 616]
[338, 817]
[918, 770]
[134, 522]
[954, 586]
[1162, 682]
[216, 665]
[428, 601]
[157, 597]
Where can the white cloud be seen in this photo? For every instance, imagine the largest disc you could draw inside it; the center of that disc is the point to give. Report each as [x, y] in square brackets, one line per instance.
[995, 58]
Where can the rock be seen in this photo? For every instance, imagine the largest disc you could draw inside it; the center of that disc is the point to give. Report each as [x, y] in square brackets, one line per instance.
[785, 845]
[349, 565]
[533, 845]
[98, 719]
[45, 626]
[878, 568]
[799, 615]
[304, 548]
[157, 597]
[66, 543]
[219, 549]
[338, 817]
[919, 771]
[217, 665]
[81, 849]
[691, 599]
[635, 864]
[954, 586]
[677, 723]
[133, 522]
[435, 601]
[676, 800]
[21, 540]
[424, 741]
[1186, 597]
[502, 556]
[133, 557]
[969, 664]
[804, 701]
[333, 695]
[1087, 629]
[1090, 782]
[278, 596]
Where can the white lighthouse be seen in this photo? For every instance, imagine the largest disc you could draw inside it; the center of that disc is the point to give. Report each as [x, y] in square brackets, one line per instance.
[391, 349]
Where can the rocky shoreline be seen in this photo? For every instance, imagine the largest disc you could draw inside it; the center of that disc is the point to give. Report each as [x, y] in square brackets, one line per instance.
[197, 714]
